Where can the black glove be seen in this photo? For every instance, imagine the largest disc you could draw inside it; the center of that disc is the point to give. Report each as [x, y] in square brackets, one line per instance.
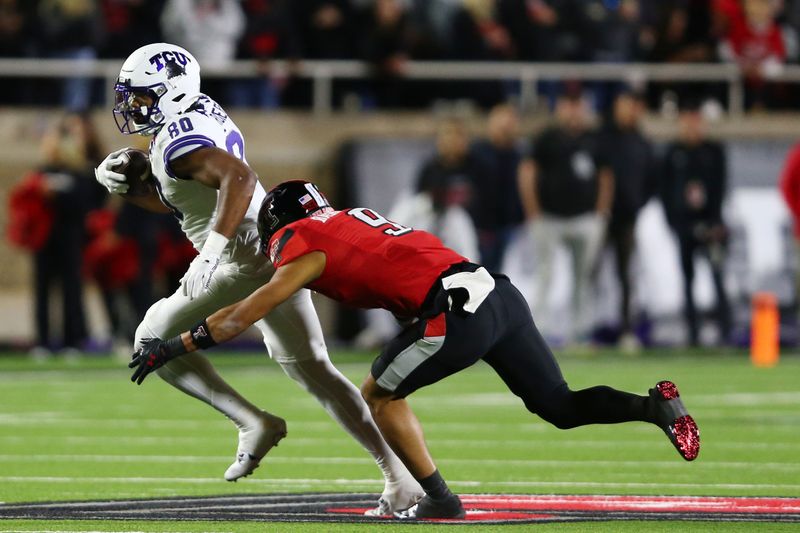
[153, 355]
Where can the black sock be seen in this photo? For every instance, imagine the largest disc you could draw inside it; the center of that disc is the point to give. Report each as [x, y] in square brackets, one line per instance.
[596, 405]
[435, 486]
[604, 405]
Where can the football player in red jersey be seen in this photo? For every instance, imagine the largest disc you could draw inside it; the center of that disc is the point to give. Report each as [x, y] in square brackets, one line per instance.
[456, 311]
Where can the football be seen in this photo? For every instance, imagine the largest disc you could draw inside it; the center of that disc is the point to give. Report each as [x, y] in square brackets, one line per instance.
[135, 166]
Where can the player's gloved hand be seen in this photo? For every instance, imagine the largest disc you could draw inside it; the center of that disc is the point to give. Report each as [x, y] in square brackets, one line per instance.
[201, 271]
[115, 182]
[198, 278]
[153, 355]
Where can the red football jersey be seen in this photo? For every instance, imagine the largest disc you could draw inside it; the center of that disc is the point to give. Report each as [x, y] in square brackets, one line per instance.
[371, 262]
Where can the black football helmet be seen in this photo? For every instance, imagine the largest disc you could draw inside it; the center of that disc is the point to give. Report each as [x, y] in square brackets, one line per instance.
[285, 203]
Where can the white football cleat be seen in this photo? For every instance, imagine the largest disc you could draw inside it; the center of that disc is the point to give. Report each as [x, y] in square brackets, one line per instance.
[254, 443]
[397, 496]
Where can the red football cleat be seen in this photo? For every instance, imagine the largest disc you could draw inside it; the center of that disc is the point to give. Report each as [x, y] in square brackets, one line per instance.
[671, 415]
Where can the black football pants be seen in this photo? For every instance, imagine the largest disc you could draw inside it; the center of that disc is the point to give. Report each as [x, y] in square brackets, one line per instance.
[502, 333]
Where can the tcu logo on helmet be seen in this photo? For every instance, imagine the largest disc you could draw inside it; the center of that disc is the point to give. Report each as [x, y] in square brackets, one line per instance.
[162, 59]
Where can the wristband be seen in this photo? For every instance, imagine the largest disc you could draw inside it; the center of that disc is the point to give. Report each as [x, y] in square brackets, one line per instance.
[215, 243]
[201, 335]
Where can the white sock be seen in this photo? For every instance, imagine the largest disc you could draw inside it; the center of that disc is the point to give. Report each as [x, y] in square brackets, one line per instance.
[194, 375]
[343, 402]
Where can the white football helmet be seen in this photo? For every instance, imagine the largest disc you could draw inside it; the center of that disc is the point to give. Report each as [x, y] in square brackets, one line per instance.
[168, 74]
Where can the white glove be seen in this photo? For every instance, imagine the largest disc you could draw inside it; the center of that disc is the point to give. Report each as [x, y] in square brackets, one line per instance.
[115, 182]
[201, 272]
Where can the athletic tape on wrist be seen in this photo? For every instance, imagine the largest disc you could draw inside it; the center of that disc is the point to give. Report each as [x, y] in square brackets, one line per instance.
[215, 243]
[201, 335]
[175, 346]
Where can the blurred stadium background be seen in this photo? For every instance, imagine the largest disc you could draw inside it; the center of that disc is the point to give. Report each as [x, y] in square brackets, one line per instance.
[433, 111]
[354, 94]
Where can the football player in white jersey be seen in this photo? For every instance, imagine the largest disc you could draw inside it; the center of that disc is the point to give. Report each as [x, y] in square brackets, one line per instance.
[197, 157]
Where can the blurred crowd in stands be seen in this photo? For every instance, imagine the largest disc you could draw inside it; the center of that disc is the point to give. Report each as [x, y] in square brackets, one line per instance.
[758, 35]
[77, 233]
[577, 184]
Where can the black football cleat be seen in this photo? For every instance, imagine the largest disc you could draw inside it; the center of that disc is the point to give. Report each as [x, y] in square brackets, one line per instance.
[448, 508]
[671, 416]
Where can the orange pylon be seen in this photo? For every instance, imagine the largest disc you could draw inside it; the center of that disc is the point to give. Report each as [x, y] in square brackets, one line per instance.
[765, 330]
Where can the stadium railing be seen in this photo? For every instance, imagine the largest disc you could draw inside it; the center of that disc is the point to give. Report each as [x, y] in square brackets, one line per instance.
[322, 74]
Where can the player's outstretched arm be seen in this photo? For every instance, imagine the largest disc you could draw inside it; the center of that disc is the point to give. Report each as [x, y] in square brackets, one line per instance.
[230, 321]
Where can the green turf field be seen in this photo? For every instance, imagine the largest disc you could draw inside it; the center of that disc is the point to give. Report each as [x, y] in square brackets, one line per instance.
[78, 431]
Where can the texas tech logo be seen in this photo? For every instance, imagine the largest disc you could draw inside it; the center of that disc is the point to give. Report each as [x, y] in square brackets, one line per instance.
[275, 252]
[277, 246]
[169, 58]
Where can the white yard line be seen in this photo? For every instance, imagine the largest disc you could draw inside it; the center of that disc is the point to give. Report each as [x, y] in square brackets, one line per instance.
[746, 399]
[322, 460]
[284, 482]
[763, 421]
[532, 444]
[26, 420]
[504, 399]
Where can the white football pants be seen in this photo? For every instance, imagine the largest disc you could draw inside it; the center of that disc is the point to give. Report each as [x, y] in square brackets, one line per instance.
[293, 337]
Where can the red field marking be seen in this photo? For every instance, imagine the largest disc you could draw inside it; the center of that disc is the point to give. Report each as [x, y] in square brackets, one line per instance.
[480, 508]
[499, 507]
[652, 504]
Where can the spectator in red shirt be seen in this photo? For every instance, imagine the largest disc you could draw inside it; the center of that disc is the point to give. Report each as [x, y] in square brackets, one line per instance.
[70, 149]
[755, 42]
